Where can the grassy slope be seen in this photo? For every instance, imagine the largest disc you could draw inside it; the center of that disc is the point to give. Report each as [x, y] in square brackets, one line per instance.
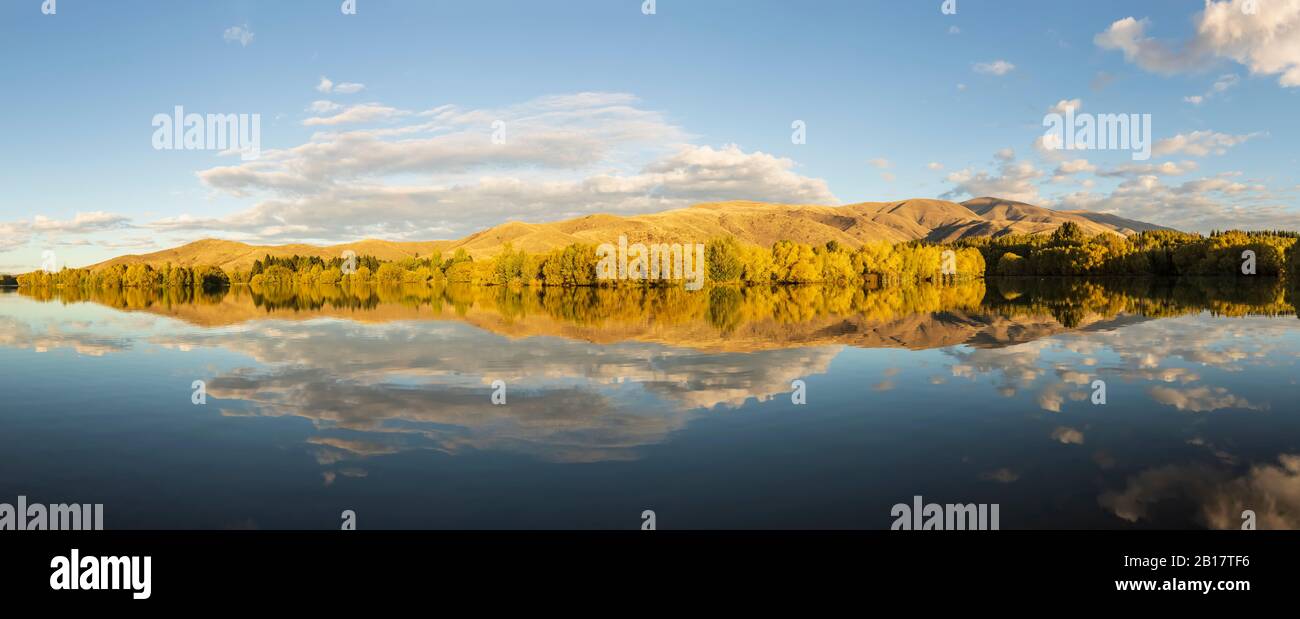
[752, 222]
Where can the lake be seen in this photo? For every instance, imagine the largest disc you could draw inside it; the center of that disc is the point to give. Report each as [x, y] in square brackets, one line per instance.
[381, 402]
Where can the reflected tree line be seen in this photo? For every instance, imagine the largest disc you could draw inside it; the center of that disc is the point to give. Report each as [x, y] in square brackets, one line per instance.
[726, 307]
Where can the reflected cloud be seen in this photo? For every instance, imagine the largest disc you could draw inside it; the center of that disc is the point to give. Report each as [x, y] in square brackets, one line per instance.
[20, 335]
[1067, 436]
[1002, 476]
[1271, 490]
[1201, 399]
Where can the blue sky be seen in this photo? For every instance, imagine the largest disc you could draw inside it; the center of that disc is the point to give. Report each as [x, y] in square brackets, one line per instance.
[607, 109]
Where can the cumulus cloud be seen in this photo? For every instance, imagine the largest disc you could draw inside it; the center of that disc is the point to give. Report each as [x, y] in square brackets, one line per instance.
[1266, 41]
[439, 172]
[1200, 204]
[1014, 180]
[1072, 167]
[1200, 143]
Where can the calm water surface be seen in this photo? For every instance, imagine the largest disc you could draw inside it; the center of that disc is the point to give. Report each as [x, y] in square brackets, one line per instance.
[619, 401]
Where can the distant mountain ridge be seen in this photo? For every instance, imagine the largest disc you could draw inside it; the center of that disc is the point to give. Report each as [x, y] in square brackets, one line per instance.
[758, 223]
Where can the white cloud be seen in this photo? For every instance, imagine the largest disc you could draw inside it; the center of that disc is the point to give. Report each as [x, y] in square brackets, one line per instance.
[1075, 166]
[1050, 146]
[1168, 168]
[1266, 42]
[323, 107]
[997, 67]
[1072, 167]
[1066, 104]
[238, 34]
[14, 235]
[1196, 205]
[438, 173]
[357, 114]
[934, 165]
[134, 242]
[881, 163]
[80, 224]
[1015, 180]
[1224, 82]
[1199, 143]
[1220, 86]
[327, 85]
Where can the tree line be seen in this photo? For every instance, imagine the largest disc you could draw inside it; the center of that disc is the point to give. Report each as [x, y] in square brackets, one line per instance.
[814, 311]
[1070, 251]
[130, 276]
[1067, 251]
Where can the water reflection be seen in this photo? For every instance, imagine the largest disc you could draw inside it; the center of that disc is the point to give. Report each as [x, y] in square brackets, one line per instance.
[977, 391]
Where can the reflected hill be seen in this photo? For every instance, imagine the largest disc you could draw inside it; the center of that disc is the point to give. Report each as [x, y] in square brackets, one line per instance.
[988, 313]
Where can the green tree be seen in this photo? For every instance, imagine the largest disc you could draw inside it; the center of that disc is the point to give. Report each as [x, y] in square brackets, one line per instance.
[723, 257]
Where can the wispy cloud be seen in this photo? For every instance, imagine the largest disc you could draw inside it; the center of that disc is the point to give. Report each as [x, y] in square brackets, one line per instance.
[440, 172]
[326, 85]
[996, 67]
[238, 34]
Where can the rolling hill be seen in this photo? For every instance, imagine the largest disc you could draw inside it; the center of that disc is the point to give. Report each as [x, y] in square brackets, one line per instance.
[752, 222]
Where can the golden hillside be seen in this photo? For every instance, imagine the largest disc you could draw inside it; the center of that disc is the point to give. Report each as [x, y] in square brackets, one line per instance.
[752, 222]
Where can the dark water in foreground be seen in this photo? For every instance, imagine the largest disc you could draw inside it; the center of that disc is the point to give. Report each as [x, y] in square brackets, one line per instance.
[321, 401]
